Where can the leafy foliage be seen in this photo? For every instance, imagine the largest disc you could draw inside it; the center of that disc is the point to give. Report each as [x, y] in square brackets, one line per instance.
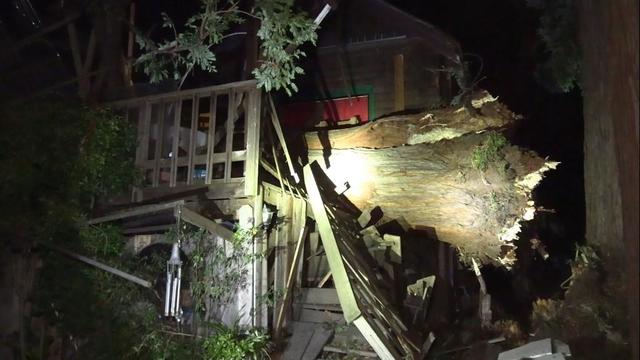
[232, 344]
[57, 156]
[560, 72]
[489, 152]
[282, 30]
[218, 272]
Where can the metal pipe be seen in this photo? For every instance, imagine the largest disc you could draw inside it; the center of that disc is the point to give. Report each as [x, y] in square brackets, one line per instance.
[174, 296]
[167, 292]
[179, 280]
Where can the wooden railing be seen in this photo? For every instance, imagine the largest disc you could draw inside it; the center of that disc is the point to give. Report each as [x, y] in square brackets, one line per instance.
[202, 136]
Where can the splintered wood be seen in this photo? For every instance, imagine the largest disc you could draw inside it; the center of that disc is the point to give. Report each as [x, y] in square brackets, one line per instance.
[362, 297]
[422, 168]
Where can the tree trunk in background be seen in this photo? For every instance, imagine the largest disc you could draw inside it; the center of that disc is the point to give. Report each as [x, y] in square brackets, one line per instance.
[609, 39]
[111, 19]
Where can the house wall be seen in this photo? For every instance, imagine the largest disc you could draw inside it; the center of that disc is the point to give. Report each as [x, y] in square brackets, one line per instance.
[368, 68]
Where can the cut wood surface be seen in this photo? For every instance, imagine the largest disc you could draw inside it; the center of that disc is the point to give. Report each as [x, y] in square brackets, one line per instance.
[426, 127]
[419, 168]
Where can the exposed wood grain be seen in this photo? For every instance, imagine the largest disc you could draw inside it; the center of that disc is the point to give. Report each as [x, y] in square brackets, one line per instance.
[435, 185]
[426, 127]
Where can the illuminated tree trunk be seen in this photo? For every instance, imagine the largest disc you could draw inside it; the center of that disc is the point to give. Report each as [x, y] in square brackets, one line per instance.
[428, 177]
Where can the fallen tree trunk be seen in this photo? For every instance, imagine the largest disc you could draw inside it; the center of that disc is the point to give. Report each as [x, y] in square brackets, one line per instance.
[473, 189]
[426, 127]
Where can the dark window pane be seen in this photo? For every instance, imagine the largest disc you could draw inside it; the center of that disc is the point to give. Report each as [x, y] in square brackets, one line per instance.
[164, 176]
[154, 131]
[217, 171]
[204, 119]
[239, 127]
[148, 177]
[222, 111]
[182, 174]
[132, 117]
[168, 131]
[237, 169]
[199, 173]
[185, 128]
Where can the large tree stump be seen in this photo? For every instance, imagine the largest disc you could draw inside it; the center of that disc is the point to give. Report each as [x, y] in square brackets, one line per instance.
[435, 183]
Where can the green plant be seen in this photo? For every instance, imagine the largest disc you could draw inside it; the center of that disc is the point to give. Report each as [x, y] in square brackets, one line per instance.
[219, 271]
[494, 203]
[232, 344]
[282, 30]
[490, 151]
[561, 68]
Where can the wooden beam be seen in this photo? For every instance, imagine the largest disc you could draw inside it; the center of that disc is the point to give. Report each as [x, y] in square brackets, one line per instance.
[196, 219]
[253, 143]
[375, 340]
[324, 279]
[338, 269]
[130, 42]
[100, 266]
[292, 270]
[318, 296]
[77, 58]
[147, 229]
[137, 211]
[261, 271]
[282, 252]
[362, 353]
[283, 143]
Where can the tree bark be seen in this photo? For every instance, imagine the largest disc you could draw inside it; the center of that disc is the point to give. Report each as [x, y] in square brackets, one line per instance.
[609, 40]
[426, 127]
[431, 181]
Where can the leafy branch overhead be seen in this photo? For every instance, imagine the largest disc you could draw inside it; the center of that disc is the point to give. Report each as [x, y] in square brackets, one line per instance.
[282, 31]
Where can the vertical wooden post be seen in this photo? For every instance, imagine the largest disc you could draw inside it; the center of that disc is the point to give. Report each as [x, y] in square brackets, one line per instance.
[283, 233]
[398, 82]
[260, 264]
[128, 72]
[77, 59]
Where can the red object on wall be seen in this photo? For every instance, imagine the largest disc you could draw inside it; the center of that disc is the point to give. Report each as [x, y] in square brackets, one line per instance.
[307, 114]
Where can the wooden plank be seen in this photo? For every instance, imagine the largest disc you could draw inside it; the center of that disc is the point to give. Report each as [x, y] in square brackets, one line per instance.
[101, 266]
[281, 261]
[290, 278]
[320, 316]
[196, 219]
[340, 278]
[369, 354]
[276, 125]
[137, 211]
[319, 339]
[297, 344]
[398, 82]
[260, 264]
[211, 133]
[318, 296]
[253, 143]
[246, 84]
[147, 229]
[128, 73]
[177, 110]
[75, 54]
[324, 279]
[375, 340]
